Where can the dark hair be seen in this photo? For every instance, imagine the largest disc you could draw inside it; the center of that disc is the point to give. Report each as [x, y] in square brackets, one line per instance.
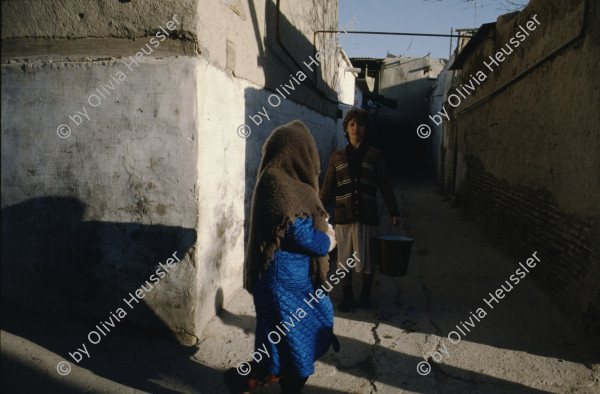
[360, 115]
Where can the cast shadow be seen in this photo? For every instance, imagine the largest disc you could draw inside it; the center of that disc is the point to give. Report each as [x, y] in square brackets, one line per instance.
[282, 53]
[444, 289]
[62, 277]
[382, 364]
[395, 131]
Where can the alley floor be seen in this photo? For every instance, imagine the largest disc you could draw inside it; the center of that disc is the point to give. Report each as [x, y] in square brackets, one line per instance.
[523, 343]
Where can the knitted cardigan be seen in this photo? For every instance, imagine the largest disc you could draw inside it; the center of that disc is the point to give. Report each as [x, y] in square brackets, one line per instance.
[356, 199]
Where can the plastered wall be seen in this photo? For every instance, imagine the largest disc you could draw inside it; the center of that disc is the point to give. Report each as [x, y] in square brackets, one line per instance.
[526, 161]
[153, 163]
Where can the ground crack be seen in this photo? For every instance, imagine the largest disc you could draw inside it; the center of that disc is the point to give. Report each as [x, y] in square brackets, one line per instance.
[372, 365]
[374, 332]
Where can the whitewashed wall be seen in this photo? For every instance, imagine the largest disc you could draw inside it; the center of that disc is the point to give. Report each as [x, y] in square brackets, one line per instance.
[159, 166]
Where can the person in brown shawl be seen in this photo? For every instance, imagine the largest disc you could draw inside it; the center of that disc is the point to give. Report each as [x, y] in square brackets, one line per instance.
[286, 263]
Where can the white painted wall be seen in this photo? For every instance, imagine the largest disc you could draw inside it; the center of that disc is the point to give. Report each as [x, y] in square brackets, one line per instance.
[132, 165]
[346, 88]
[439, 96]
[227, 168]
[162, 150]
[404, 79]
[159, 166]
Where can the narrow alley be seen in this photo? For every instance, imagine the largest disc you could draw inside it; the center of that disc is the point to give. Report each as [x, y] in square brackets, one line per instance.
[524, 344]
[167, 166]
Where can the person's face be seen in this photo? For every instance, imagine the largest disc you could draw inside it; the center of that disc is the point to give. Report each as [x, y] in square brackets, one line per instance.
[356, 131]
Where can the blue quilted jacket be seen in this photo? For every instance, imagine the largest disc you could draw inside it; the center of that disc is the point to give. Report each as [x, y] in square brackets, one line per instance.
[293, 327]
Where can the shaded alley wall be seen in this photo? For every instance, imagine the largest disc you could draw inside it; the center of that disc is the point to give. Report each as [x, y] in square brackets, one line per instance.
[439, 94]
[154, 163]
[526, 159]
[408, 81]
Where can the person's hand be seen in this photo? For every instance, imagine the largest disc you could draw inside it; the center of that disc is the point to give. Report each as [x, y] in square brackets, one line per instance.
[331, 234]
[396, 220]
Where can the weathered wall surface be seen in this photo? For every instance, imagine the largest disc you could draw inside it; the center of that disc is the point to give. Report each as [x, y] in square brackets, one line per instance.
[77, 19]
[258, 43]
[227, 169]
[408, 81]
[154, 163]
[439, 94]
[528, 158]
[346, 84]
[123, 165]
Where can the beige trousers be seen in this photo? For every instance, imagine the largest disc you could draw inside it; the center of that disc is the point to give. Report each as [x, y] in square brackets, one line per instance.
[356, 238]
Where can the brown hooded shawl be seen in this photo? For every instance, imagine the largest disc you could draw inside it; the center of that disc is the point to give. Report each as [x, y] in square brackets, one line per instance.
[286, 188]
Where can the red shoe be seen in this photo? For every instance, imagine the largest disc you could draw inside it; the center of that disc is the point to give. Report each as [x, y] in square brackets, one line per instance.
[251, 383]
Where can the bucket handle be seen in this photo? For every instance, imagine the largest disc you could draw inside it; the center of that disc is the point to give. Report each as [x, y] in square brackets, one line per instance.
[401, 226]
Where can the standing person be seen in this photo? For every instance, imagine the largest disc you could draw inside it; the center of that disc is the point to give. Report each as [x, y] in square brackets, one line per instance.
[354, 175]
[286, 259]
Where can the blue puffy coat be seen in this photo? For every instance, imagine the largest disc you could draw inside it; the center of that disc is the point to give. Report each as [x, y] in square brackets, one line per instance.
[292, 324]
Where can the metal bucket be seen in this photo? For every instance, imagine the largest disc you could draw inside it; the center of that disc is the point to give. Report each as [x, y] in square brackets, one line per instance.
[394, 253]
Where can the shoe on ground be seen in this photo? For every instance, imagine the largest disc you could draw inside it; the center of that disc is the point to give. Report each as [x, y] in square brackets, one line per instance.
[364, 303]
[235, 383]
[346, 306]
[246, 384]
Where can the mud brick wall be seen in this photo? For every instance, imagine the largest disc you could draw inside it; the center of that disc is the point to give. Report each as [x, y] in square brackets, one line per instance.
[520, 218]
[523, 157]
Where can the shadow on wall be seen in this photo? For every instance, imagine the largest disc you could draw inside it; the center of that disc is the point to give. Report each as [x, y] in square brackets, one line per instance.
[278, 67]
[52, 262]
[395, 130]
[62, 276]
